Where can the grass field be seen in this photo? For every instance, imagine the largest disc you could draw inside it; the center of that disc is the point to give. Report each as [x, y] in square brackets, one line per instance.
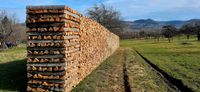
[110, 75]
[180, 58]
[143, 78]
[13, 69]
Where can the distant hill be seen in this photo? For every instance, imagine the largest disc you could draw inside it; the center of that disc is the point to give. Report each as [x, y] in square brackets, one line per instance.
[152, 24]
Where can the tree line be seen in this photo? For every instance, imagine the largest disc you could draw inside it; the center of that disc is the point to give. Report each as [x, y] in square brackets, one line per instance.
[110, 18]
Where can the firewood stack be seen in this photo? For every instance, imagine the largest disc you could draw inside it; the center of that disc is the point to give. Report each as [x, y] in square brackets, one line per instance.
[63, 47]
[53, 48]
[97, 43]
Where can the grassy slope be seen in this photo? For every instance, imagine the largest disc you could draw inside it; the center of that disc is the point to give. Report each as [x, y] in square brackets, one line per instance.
[180, 61]
[13, 69]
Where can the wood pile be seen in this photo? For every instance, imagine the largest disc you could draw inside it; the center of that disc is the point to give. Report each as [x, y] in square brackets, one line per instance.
[53, 48]
[97, 43]
[63, 47]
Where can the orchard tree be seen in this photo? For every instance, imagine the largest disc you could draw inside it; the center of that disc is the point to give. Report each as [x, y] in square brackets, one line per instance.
[187, 29]
[197, 29]
[142, 34]
[169, 31]
[107, 16]
[7, 25]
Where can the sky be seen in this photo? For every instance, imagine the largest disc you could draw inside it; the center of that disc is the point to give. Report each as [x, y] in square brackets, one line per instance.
[160, 10]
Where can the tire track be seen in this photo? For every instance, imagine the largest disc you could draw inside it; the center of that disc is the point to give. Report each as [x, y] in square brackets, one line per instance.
[173, 81]
[126, 79]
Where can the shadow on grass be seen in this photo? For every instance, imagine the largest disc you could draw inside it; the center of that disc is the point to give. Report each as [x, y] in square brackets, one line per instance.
[13, 76]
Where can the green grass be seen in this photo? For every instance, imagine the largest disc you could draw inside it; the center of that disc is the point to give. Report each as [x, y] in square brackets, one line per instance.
[13, 69]
[13, 54]
[143, 78]
[180, 61]
[108, 77]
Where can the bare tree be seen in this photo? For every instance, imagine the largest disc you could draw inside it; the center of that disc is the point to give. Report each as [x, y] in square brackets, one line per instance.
[106, 16]
[197, 29]
[187, 29]
[169, 31]
[191, 29]
[7, 25]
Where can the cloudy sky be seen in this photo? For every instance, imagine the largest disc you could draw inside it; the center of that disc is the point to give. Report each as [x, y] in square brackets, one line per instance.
[161, 10]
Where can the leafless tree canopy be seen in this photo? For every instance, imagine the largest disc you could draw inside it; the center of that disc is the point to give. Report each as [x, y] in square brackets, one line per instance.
[106, 16]
[10, 30]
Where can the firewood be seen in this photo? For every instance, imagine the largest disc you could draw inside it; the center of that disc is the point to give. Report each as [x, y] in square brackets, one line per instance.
[39, 76]
[46, 52]
[39, 37]
[55, 68]
[40, 69]
[40, 89]
[45, 84]
[29, 59]
[35, 52]
[51, 77]
[44, 69]
[56, 60]
[36, 60]
[61, 68]
[55, 28]
[29, 52]
[46, 60]
[28, 68]
[51, 19]
[58, 37]
[42, 60]
[41, 53]
[64, 45]
[35, 76]
[34, 68]
[49, 69]
[57, 19]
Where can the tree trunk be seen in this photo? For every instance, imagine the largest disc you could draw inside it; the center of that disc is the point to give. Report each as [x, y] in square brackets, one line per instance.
[4, 46]
[198, 36]
[158, 38]
[169, 40]
[188, 37]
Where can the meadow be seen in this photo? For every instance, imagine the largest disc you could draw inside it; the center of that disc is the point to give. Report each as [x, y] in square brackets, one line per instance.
[13, 69]
[180, 58]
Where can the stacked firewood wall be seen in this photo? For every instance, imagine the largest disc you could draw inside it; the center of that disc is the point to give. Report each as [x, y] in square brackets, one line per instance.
[63, 47]
[97, 43]
[53, 48]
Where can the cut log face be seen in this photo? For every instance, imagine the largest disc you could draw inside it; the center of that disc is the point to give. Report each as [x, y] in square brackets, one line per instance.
[63, 47]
